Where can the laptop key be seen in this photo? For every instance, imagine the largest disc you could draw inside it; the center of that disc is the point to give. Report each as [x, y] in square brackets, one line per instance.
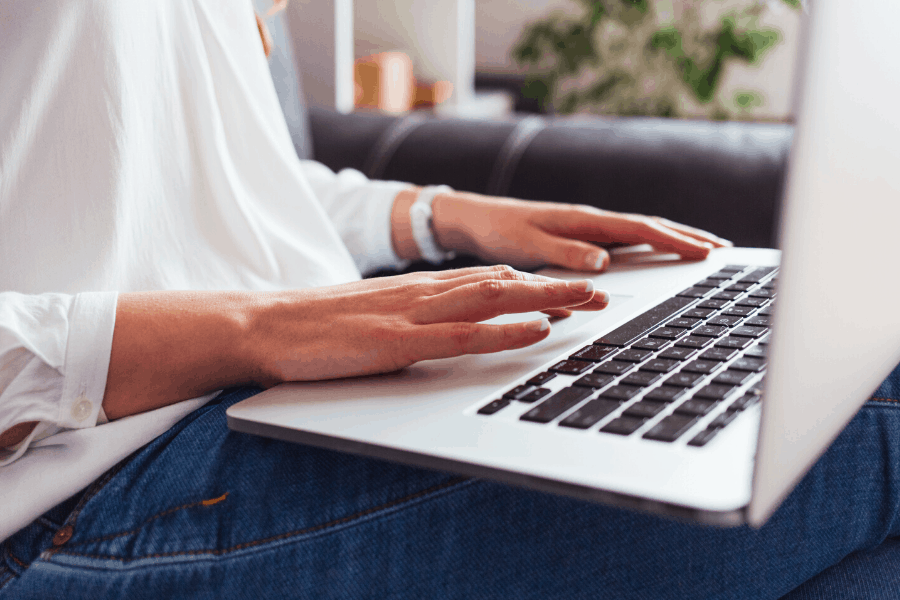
[726, 295]
[651, 344]
[755, 302]
[703, 438]
[756, 352]
[541, 378]
[534, 395]
[614, 367]
[571, 367]
[736, 343]
[723, 321]
[517, 392]
[744, 402]
[637, 327]
[734, 268]
[696, 407]
[739, 311]
[644, 410]
[670, 428]
[704, 367]
[590, 414]
[712, 303]
[659, 365]
[683, 323]
[709, 283]
[741, 286]
[623, 425]
[668, 333]
[678, 353]
[724, 419]
[714, 391]
[641, 378]
[748, 363]
[594, 353]
[633, 355]
[709, 331]
[665, 393]
[594, 380]
[620, 392]
[719, 354]
[751, 332]
[767, 311]
[759, 321]
[698, 313]
[694, 292]
[762, 293]
[493, 407]
[556, 404]
[694, 342]
[684, 380]
[757, 275]
[730, 377]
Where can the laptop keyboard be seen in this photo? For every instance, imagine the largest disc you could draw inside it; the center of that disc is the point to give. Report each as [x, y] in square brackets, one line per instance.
[662, 373]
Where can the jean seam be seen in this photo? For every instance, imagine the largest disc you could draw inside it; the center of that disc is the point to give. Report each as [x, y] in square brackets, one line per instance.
[892, 400]
[282, 536]
[168, 511]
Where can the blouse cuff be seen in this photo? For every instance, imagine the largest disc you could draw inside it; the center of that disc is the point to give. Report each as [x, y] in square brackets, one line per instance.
[380, 252]
[92, 319]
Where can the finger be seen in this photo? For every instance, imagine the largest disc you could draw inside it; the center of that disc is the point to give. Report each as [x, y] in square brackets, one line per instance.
[598, 302]
[669, 240]
[444, 340]
[568, 253]
[560, 313]
[697, 234]
[606, 228]
[490, 298]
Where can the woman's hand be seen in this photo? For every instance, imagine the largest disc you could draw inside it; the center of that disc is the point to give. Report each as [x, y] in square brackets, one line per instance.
[171, 346]
[528, 234]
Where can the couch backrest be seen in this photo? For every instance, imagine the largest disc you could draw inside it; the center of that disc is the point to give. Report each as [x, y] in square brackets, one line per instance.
[287, 79]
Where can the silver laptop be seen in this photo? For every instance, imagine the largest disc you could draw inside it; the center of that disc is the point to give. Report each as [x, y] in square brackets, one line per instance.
[690, 395]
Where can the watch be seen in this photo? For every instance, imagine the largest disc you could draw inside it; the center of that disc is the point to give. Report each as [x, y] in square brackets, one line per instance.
[421, 219]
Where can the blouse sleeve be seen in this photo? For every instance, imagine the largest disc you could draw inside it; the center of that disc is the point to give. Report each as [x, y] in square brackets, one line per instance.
[360, 209]
[54, 358]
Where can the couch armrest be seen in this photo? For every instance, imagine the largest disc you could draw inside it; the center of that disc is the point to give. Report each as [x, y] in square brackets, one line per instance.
[724, 177]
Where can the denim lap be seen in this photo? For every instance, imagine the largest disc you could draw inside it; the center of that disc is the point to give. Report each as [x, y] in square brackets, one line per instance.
[204, 512]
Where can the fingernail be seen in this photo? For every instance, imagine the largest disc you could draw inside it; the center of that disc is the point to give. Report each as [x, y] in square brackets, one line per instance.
[602, 296]
[542, 325]
[708, 245]
[726, 243]
[584, 285]
[595, 263]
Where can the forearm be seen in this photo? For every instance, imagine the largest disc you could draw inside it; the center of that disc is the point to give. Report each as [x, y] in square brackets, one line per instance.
[173, 346]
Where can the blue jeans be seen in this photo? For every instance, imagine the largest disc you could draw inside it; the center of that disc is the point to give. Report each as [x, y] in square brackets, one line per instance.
[202, 512]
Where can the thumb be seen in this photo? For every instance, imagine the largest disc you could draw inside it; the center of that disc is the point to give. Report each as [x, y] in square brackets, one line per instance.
[570, 254]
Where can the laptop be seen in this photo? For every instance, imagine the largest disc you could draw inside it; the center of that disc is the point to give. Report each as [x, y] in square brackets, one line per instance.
[691, 395]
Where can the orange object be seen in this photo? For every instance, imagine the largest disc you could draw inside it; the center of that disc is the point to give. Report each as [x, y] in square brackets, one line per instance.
[385, 82]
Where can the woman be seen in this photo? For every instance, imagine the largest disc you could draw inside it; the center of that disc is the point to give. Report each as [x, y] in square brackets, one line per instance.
[159, 241]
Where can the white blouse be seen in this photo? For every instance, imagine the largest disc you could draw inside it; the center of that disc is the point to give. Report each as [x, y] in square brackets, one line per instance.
[142, 147]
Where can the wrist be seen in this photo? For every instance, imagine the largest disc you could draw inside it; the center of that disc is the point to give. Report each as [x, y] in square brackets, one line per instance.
[451, 231]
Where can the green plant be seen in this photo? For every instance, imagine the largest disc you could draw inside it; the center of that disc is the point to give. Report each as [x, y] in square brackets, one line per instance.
[632, 57]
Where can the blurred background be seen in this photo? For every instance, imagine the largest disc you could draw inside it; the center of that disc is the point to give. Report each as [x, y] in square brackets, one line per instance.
[713, 59]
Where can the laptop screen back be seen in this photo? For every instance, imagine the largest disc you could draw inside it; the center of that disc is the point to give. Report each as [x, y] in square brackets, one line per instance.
[837, 324]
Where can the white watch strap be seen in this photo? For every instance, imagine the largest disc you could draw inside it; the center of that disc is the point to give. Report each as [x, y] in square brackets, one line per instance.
[420, 216]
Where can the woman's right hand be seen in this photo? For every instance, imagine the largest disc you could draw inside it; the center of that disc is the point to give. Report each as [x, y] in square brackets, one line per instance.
[380, 325]
[171, 346]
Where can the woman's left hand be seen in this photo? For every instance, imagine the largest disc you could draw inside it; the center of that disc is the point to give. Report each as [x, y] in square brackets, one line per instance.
[528, 234]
